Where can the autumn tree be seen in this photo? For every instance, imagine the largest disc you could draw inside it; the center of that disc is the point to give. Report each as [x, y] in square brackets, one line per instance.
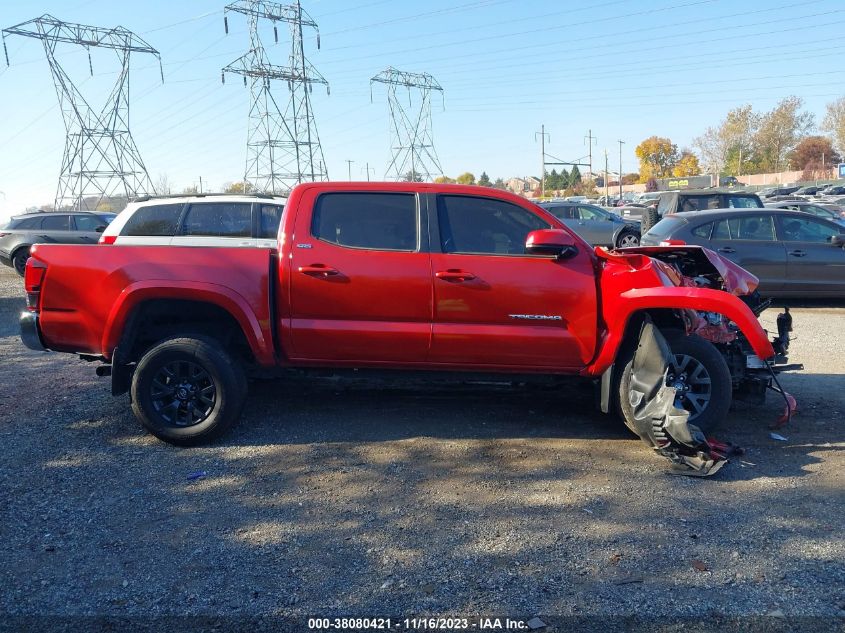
[779, 131]
[238, 187]
[813, 151]
[726, 147]
[657, 157]
[484, 180]
[834, 122]
[444, 180]
[466, 178]
[687, 164]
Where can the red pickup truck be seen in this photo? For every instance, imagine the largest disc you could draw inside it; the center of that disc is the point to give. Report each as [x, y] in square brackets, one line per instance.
[395, 276]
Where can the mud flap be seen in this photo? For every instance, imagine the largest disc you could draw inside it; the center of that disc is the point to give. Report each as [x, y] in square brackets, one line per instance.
[657, 420]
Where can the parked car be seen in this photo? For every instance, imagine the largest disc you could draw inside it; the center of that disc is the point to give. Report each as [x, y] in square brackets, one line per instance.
[22, 231]
[576, 199]
[810, 190]
[811, 208]
[595, 225]
[832, 190]
[768, 192]
[233, 220]
[785, 198]
[400, 276]
[672, 202]
[794, 254]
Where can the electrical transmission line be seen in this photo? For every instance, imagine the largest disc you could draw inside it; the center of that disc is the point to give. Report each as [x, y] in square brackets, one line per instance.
[282, 149]
[100, 156]
[412, 140]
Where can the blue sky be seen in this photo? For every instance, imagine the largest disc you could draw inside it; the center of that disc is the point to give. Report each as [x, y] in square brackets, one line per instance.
[624, 69]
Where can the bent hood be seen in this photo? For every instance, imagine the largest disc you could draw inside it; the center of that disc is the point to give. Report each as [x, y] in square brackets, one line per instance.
[692, 262]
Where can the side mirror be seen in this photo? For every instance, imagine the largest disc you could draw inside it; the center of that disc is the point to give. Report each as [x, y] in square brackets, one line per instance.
[551, 243]
[837, 240]
[100, 229]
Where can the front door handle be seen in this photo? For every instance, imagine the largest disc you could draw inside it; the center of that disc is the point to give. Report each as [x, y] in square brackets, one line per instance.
[726, 249]
[454, 274]
[798, 253]
[318, 270]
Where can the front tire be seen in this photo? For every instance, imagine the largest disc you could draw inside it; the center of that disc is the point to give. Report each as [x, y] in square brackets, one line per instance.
[188, 391]
[701, 374]
[626, 239]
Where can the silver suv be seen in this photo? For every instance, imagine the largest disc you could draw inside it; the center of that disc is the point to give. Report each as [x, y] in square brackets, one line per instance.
[22, 231]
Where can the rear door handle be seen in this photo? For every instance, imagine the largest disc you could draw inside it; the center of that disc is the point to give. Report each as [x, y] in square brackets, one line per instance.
[726, 249]
[318, 270]
[454, 275]
[798, 253]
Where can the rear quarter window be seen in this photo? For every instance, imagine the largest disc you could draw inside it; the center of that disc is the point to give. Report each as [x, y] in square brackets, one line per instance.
[666, 227]
[26, 224]
[153, 220]
[703, 231]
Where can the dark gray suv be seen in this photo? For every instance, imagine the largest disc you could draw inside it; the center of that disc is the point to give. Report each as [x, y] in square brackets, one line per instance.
[19, 234]
[794, 254]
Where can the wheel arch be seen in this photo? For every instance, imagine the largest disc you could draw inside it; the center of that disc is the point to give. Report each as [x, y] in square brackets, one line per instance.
[204, 308]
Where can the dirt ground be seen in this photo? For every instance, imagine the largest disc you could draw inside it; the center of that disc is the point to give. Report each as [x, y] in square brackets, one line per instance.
[333, 499]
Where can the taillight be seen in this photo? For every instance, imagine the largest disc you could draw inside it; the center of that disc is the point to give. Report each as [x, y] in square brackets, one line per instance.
[32, 279]
[107, 239]
[673, 243]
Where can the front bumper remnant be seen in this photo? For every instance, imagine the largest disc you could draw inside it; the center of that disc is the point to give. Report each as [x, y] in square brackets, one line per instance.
[30, 335]
[657, 420]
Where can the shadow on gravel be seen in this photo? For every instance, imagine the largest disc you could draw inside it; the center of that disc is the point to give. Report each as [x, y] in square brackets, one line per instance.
[9, 309]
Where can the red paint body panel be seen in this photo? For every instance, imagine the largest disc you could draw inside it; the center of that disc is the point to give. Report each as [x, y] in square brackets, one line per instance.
[345, 307]
[481, 321]
[89, 291]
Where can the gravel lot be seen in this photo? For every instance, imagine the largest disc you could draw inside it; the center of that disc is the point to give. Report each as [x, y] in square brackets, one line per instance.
[338, 499]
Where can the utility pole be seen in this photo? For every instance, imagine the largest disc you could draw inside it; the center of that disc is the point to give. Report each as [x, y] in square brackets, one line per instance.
[369, 169]
[590, 138]
[621, 143]
[201, 185]
[543, 136]
[349, 168]
[606, 180]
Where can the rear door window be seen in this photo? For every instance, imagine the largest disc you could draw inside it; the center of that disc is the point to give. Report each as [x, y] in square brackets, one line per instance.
[55, 222]
[218, 219]
[379, 221]
[758, 228]
[153, 220]
[88, 223]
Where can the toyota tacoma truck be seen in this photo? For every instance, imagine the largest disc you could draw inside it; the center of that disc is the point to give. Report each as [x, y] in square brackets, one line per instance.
[401, 276]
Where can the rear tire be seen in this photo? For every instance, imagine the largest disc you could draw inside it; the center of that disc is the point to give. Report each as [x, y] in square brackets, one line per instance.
[19, 260]
[708, 402]
[188, 391]
[650, 217]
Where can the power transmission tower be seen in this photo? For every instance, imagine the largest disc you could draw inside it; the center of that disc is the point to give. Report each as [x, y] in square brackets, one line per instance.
[100, 156]
[283, 147]
[412, 141]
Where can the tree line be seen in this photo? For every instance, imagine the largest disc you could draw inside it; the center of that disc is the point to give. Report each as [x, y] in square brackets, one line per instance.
[752, 142]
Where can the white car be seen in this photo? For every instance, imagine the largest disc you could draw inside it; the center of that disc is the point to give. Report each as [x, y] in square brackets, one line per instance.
[233, 220]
